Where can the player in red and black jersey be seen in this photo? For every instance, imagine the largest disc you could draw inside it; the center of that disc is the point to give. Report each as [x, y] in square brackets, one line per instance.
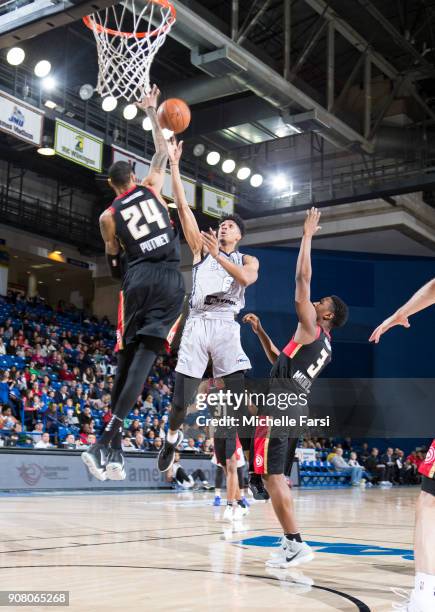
[296, 366]
[137, 228]
[423, 595]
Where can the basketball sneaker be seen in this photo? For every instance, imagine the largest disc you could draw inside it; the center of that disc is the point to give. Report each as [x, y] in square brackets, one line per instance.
[95, 459]
[290, 553]
[115, 467]
[411, 604]
[167, 453]
[257, 487]
[239, 512]
[228, 514]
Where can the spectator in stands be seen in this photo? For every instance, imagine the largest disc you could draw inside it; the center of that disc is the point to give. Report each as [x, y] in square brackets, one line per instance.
[69, 442]
[151, 436]
[85, 417]
[388, 460]
[127, 444]
[7, 420]
[341, 465]
[38, 431]
[139, 442]
[374, 467]
[148, 403]
[158, 443]
[44, 442]
[191, 446]
[2, 346]
[135, 427]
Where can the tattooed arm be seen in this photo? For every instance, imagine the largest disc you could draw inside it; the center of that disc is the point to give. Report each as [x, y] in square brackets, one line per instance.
[156, 175]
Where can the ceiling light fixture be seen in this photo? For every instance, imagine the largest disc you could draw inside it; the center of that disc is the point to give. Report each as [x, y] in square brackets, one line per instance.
[228, 166]
[147, 125]
[109, 104]
[256, 180]
[15, 56]
[243, 173]
[213, 158]
[42, 69]
[129, 112]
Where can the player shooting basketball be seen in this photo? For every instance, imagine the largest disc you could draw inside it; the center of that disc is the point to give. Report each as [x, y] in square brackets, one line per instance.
[220, 276]
[138, 226]
[298, 364]
[423, 596]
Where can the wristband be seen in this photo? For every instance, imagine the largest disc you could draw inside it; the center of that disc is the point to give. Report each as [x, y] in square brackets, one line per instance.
[114, 262]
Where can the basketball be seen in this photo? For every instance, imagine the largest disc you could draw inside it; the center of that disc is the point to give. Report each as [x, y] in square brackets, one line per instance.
[174, 114]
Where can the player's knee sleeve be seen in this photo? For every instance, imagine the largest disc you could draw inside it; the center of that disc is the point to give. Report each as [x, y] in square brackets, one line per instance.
[184, 391]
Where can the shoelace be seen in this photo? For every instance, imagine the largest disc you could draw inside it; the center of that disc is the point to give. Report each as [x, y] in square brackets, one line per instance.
[404, 594]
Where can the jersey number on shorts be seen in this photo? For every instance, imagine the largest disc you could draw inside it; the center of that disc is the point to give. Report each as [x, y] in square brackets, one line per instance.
[135, 214]
[315, 368]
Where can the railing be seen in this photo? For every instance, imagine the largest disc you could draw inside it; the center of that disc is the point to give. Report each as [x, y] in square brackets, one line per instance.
[35, 214]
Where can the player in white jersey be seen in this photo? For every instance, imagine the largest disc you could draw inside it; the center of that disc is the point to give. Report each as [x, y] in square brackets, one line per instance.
[220, 277]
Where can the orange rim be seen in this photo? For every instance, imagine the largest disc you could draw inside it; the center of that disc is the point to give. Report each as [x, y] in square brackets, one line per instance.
[90, 22]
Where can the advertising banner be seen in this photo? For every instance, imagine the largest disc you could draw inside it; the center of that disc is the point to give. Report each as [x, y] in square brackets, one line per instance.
[78, 146]
[21, 119]
[216, 203]
[141, 166]
[52, 469]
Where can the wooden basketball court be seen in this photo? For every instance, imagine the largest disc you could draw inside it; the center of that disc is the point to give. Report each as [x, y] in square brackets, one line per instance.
[171, 551]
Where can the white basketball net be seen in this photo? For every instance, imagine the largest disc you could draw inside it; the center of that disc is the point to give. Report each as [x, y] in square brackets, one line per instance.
[125, 57]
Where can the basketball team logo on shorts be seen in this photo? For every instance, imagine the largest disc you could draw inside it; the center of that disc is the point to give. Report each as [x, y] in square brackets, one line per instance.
[259, 460]
[430, 456]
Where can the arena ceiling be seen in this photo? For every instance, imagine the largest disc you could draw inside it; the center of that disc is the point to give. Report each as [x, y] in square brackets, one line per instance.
[338, 88]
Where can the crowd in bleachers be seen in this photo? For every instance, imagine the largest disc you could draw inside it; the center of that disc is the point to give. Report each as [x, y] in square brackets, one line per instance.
[57, 368]
[347, 462]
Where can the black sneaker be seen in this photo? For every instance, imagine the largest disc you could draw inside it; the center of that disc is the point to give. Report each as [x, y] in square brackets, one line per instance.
[167, 453]
[95, 459]
[115, 467]
[257, 487]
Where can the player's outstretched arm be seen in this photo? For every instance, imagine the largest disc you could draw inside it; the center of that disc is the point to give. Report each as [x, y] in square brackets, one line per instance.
[306, 331]
[268, 346]
[187, 218]
[108, 233]
[422, 299]
[245, 275]
[156, 175]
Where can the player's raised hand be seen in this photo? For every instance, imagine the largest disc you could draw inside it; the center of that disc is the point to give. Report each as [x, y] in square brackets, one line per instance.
[311, 225]
[149, 99]
[175, 150]
[253, 321]
[395, 319]
[210, 241]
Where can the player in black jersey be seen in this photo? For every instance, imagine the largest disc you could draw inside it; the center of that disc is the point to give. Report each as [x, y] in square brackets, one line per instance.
[295, 368]
[137, 226]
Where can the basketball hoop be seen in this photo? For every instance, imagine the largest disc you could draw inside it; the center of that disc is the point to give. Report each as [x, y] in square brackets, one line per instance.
[125, 57]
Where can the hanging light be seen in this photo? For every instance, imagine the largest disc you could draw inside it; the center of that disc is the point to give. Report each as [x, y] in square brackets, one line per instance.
[228, 166]
[129, 112]
[46, 147]
[15, 56]
[213, 158]
[42, 69]
[109, 104]
[256, 180]
[243, 173]
[147, 125]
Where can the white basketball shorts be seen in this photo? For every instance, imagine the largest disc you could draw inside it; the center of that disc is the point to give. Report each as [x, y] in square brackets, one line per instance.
[207, 337]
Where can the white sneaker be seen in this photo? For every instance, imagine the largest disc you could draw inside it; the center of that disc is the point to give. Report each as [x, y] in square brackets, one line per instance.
[411, 604]
[290, 554]
[238, 513]
[228, 514]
